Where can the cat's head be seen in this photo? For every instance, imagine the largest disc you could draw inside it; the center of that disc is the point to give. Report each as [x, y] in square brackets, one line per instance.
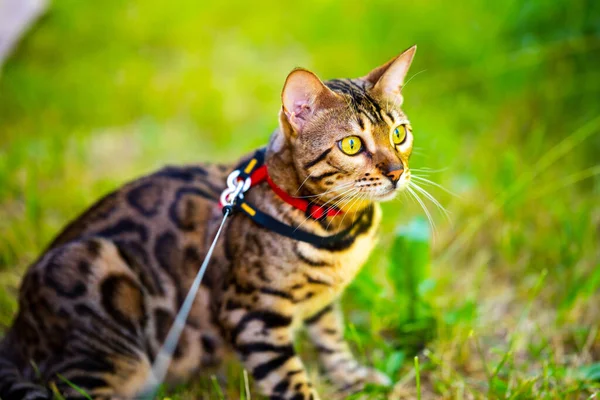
[349, 137]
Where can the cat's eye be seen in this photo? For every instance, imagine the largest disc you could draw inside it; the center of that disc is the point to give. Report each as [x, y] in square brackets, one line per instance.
[350, 145]
[399, 134]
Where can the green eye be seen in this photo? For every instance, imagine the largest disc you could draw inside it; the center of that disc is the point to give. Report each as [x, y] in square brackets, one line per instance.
[399, 134]
[350, 145]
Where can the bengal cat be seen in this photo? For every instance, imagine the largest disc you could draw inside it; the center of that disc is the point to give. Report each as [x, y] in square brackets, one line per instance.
[98, 303]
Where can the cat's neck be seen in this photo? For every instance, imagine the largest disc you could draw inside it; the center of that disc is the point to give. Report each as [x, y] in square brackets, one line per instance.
[280, 164]
[282, 170]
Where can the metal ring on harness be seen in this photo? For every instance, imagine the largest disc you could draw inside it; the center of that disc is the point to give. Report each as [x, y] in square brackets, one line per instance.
[233, 191]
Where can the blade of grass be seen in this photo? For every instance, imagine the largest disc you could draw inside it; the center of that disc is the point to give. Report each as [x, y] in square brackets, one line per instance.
[418, 377]
[247, 385]
[56, 392]
[74, 386]
[569, 180]
[217, 387]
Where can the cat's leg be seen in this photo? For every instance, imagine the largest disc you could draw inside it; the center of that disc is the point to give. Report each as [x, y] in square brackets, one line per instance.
[81, 322]
[263, 341]
[326, 331]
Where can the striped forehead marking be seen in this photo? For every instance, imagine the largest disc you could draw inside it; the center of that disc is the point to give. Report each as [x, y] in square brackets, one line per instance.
[360, 101]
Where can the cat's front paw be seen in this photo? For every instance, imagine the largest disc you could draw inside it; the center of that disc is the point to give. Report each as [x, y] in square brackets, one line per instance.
[377, 377]
[315, 395]
[356, 379]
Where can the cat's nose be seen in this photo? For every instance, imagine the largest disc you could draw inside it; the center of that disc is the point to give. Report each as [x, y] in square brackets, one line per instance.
[395, 172]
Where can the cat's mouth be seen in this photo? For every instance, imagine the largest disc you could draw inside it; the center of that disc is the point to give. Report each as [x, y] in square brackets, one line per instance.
[387, 193]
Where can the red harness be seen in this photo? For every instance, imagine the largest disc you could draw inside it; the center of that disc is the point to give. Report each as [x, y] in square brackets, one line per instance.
[311, 210]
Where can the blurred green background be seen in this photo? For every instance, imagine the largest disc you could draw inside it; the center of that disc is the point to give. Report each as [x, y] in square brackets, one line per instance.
[505, 106]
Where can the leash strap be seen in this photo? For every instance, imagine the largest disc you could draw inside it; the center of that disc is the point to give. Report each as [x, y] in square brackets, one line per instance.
[165, 355]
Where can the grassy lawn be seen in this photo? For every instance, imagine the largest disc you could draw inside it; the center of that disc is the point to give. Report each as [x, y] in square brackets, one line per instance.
[504, 102]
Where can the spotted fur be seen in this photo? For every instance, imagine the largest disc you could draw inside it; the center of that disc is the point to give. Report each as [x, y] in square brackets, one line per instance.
[97, 305]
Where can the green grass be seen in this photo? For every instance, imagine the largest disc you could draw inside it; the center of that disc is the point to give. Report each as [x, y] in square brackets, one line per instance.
[504, 105]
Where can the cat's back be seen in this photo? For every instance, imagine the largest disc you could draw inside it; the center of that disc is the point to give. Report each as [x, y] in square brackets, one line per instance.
[157, 228]
[172, 199]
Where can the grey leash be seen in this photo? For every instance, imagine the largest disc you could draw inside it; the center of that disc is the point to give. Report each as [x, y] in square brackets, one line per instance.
[235, 189]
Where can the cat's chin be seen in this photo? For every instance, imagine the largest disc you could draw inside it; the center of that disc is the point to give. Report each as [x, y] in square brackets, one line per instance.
[385, 196]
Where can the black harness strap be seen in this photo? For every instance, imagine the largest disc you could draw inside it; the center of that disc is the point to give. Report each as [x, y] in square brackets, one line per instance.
[272, 224]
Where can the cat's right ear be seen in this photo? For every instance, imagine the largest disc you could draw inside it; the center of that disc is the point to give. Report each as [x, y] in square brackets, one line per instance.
[388, 79]
[303, 95]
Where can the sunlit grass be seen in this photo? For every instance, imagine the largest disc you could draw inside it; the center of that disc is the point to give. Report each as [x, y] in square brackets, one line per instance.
[504, 104]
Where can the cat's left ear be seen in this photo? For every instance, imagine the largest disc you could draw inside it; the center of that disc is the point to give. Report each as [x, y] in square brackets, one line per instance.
[389, 78]
[303, 96]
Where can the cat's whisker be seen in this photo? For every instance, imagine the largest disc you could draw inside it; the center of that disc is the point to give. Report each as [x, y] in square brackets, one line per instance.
[416, 186]
[343, 203]
[428, 182]
[342, 186]
[345, 200]
[354, 200]
[335, 204]
[412, 77]
[431, 198]
[332, 204]
[324, 204]
[347, 195]
[424, 207]
[336, 197]
[328, 191]
[406, 195]
[303, 182]
[429, 170]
